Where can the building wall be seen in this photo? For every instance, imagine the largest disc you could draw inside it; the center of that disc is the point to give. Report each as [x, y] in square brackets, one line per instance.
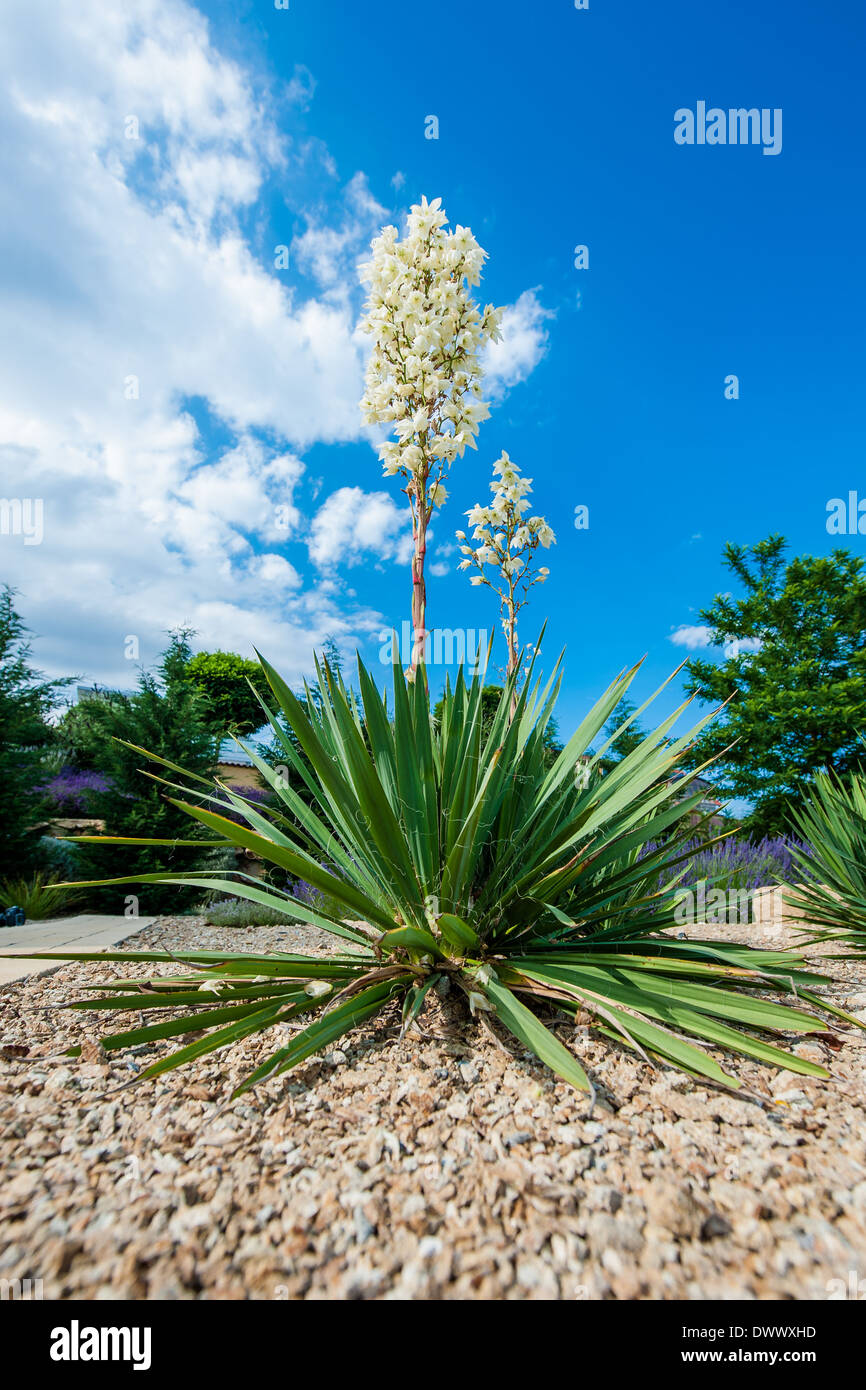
[239, 776]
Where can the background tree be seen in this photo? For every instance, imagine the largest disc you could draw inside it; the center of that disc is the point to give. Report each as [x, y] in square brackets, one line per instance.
[26, 699]
[795, 661]
[331, 655]
[167, 715]
[223, 678]
[628, 740]
[271, 751]
[80, 728]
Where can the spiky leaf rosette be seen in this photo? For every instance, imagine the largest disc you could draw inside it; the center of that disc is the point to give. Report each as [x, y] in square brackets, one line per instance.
[442, 853]
[832, 822]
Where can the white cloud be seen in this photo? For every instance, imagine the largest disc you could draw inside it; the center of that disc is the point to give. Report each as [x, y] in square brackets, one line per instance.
[141, 310]
[328, 254]
[275, 572]
[245, 493]
[699, 638]
[133, 304]
[352, 524]
[301, 89]
[742, 646]
[694, 638]
[522, 346]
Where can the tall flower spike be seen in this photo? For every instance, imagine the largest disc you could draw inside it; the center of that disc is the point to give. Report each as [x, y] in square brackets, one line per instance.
[507, 541]
[424, 373]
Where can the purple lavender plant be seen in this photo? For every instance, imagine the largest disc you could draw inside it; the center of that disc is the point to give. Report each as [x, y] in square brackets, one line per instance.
[70, 792]
[736, 865]
[306, 893]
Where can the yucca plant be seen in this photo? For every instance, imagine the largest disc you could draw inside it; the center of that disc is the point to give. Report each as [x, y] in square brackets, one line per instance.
[464, 858]
[832, 822]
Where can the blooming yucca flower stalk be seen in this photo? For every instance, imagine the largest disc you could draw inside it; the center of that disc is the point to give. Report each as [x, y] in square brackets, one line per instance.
[507, 543]
[423, 375]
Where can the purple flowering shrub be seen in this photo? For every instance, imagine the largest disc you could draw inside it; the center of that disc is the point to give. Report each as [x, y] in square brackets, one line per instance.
[745, 865]
[737, 865]
[70, 792]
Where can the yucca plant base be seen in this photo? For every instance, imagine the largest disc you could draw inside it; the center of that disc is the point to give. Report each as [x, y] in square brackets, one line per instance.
[465, 858]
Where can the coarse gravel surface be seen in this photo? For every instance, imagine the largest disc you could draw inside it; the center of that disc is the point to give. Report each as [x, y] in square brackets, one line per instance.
[436, 1167]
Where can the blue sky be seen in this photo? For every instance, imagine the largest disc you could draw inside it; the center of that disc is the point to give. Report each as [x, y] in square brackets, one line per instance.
[153, 258]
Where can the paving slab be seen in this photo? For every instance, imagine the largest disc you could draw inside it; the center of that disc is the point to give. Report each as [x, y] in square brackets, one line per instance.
[86, 932]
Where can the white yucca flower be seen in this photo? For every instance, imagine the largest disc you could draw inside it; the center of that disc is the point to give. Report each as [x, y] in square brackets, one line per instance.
[424, 373]
[507, 542]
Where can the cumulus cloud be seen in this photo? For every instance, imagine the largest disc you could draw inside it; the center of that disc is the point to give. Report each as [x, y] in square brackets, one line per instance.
[329, 254]
[137, 314]
[275, 572]
[301, 89]
[699, 638]
[694, 638]
[353, 524]
[247, 493]
[742, 646]
[160, 375]
[522, 346]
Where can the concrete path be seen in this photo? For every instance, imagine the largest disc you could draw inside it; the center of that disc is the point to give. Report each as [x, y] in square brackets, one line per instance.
[88, 932]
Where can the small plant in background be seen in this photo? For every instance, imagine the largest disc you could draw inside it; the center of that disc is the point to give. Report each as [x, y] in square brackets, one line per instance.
[238, 912]
[740, 863]
[59, 858]
[235, 912]
[508, 542]
[232, 912]
[40, 896]
[53, 760]
[423, 375]
[259, 796]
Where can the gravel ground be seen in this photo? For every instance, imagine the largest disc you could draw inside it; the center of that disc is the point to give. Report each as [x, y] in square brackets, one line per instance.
[440, 1167]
